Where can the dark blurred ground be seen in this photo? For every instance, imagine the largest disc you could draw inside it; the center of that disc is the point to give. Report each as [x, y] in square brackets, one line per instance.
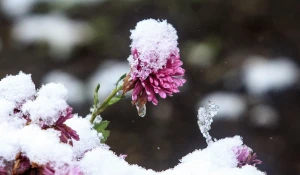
[268, 28]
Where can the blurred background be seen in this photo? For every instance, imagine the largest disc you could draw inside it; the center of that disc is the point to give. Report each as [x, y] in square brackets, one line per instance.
[242, 55]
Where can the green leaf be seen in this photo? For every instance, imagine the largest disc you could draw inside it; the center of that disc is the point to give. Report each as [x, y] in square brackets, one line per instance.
[114, 100]
[96, 99]
[100, 128]
[105, 135]
[121, 78]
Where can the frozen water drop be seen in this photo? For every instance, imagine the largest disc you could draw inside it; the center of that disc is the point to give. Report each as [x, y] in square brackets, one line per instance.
[205, 119]
[119, 93]
[141, 110]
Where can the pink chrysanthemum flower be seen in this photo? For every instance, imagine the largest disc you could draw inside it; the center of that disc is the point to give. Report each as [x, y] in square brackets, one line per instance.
[155, 62]
[2, 170]
[245, 156]
[67, 133]
[123, 156]
[64, 170]
[21, 165]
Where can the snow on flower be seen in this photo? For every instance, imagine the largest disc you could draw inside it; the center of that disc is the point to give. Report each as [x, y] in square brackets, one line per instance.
[217, 159]
[75, 87]
[9, 143]
[89, 138]
[6, 110]
[48, 106]
[53, 91]
[32, 124]
[42, 146]
[66, 133]
[50, 169]
[17, 89]
[36, 146]
[245, 156]
[153, 43]
[155, 62]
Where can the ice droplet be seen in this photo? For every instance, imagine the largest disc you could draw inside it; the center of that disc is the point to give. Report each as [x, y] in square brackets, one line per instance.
[205, 118]
[119, 93]
[142, 110]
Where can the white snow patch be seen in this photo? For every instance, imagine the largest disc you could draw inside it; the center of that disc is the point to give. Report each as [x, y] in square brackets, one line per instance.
[61, 33]
[262, 75]
[103, 161]
[15, 8]
[17, 88]
[75, 87]
[88, 137]
[7, 114]
[217, 159]
[53, 90]
[43, 146]
[19, 8]
[264, 116]
[40, 146]
[9, 142]
[154, 41]
[49, 105]
[6, 110]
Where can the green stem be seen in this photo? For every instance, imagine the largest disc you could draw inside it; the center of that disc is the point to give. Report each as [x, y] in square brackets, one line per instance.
[104, 104]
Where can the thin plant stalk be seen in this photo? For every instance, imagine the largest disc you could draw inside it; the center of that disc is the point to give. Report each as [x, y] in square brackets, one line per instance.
[104, 105]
